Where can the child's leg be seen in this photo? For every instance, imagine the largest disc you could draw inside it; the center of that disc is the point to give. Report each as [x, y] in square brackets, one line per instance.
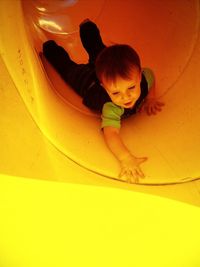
[91, 39]
[76, 75]
[58, 58]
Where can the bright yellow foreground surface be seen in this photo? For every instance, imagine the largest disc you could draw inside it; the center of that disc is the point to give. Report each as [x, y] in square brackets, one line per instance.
[57, 224]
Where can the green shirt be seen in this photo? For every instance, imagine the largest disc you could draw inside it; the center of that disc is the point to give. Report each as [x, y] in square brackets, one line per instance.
[111, 113]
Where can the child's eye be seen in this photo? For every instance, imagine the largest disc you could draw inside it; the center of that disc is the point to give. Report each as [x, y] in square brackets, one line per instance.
[132, 87]
[115, 93]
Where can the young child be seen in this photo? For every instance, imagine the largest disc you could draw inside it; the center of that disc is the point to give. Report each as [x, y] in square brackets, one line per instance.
[112, 83]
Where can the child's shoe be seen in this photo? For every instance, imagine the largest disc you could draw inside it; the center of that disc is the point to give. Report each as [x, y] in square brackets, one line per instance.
[91, 39]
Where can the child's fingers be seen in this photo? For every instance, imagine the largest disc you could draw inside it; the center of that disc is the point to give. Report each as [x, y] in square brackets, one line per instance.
[126, 173]
[153, 109]
[160, 103]
[148, 110]
[130, 176]
[134, 180]
[140, 173]
[122, 173]
[135, 174]
[158, 108]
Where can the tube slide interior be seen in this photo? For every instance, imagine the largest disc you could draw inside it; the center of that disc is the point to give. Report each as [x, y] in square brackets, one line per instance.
[167, 38]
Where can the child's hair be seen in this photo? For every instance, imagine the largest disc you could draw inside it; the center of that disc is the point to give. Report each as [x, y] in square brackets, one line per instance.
[115, 61]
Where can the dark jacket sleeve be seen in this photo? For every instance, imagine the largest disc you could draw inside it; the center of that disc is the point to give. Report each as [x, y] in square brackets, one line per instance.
[95, 97]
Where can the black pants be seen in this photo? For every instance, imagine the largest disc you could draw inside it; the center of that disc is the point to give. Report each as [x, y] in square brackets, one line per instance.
[78, 76]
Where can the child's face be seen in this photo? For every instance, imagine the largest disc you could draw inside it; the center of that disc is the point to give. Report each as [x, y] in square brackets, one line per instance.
[125, 93]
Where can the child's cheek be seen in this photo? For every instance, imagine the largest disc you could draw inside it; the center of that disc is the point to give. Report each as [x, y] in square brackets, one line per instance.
[115, 100]
[137, 92]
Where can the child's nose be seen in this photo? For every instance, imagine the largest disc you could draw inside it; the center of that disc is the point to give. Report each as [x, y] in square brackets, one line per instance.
[126, 95]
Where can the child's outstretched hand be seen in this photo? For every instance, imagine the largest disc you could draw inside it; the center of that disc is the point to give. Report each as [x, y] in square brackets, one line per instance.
[151, 106]
[130, 169]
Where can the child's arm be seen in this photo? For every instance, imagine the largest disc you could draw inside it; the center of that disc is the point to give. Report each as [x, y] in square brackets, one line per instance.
[130, 165]
[151, 105]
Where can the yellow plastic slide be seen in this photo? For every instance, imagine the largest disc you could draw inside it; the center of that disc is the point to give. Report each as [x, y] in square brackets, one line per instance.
[166, 37]
[72, 214]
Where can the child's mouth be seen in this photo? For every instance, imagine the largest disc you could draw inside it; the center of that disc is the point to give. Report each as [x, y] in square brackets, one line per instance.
[128, 104]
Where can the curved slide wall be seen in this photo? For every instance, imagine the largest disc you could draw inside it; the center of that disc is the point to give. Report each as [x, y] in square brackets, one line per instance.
[166, 37]
[45, 223]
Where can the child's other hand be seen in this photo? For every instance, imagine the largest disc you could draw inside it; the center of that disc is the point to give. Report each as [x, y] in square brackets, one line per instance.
[151, 106]
[130, 169]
